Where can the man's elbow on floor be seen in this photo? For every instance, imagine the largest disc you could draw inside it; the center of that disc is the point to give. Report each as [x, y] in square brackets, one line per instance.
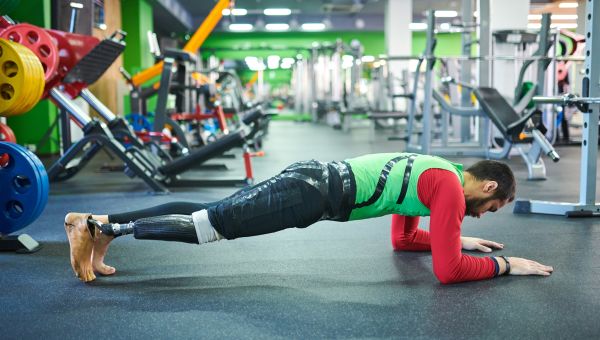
[400, 245]
[444, 277]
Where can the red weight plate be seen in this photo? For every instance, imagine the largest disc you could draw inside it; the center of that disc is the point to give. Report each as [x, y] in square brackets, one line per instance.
[7, 134]
[4, 159]
[37, 40]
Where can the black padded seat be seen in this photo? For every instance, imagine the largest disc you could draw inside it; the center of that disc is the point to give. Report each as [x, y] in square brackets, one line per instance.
[501, 113]
[252, 115]
[96, 62]
[387, 114]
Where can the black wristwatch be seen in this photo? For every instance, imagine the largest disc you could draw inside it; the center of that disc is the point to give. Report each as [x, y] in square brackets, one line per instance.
[507, 271]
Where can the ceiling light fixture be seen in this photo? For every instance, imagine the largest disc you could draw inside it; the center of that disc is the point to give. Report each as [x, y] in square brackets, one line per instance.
[416, 26]
[257, 67]
[568, 5]
[273, 61]
[446, 14]
[235, 11]
[367, 59]
[277, 11]
[564, 17]
[567, 25]
[313, 26]
[240, 27]
[277, 27]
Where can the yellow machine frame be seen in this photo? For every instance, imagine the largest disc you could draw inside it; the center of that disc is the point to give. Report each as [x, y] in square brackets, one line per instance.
[192, 45]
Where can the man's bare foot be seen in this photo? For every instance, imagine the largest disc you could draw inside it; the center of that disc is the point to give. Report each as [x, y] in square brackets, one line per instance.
[81, 245]
[101, 243]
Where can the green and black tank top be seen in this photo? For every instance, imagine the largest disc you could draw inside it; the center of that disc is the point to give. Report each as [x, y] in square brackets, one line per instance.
[386, 183]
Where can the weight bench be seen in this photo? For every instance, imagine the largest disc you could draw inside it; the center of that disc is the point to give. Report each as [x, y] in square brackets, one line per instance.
[387, 115]
[501, 113]
[512, 126]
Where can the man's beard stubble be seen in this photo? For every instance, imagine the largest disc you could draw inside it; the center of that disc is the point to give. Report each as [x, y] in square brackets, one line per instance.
[473, 205]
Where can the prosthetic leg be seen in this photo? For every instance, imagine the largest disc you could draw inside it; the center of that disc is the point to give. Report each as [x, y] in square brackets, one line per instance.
[180, 228]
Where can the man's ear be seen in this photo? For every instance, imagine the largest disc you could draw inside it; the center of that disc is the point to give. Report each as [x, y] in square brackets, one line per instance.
[490, 186]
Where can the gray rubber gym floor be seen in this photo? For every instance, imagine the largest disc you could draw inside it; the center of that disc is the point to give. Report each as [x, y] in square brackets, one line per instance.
[331, 280]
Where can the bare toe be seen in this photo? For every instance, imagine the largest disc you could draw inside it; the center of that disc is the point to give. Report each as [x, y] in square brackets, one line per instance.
[101, 243]
[103, 269]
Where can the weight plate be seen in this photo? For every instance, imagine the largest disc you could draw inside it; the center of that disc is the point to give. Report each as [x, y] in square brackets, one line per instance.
[28, 185]
[30, 78]
[19, 200]
[39, 41]
[7, 134]
[44, 184]
[38, 81]
[12, 73]
[18, 72]
[25, 188]
[22, 93]
[36, 76]
[21, 79]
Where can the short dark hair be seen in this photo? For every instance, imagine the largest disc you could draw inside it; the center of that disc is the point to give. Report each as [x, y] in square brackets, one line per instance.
[495, 171]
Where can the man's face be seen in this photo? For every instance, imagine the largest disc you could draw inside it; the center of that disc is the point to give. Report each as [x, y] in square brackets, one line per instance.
[475, 207]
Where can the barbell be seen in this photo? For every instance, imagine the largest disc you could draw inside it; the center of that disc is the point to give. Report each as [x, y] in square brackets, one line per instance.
[582, 103]
[567, 99]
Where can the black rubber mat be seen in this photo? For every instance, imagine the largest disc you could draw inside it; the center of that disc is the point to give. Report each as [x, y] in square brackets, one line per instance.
[331, 280]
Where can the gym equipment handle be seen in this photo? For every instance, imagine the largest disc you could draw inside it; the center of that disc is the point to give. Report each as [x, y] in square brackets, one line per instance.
[122, 34]
[567, 99]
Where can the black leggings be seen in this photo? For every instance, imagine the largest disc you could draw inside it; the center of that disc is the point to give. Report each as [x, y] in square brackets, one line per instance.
[296, 198]
[182, 208]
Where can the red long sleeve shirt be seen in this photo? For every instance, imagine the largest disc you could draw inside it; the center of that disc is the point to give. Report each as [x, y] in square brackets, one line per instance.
[441, 192]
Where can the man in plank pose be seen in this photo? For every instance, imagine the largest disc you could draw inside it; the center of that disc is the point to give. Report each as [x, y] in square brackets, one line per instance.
[406, 185]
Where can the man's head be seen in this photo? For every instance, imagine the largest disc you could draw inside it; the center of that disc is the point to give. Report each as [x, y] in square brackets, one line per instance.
[489, 185]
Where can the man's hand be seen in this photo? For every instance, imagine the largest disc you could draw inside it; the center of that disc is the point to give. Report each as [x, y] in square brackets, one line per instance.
[521, 266]
[474, 243]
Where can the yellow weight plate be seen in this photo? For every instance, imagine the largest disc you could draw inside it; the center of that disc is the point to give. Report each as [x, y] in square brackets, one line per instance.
[38, 88]
[9, 69]
[35, 78]
[12, 77]
[29, 90]
[38, 80]
[21, 79]
[21, 93]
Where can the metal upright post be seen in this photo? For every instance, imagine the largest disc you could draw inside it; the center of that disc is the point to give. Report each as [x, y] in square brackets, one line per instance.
[75, 7]
[429, 62]
[64, 119]
[465, 67]
[587, 205]
[590, 88]
[544, 45]
[65, 130]
[485, 38]
[160, 112]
